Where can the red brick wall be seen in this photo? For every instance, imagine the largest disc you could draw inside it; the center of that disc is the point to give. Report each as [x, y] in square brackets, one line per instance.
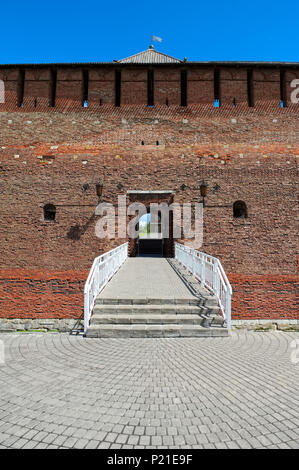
[243, 153]
[266, 86]
[233, 86]
[134, 86]
[36, 89]
[41, 294]
[69, 87]
[200, 86]
[10, 78]
[264, 297]
[167, 86]
[100, 87]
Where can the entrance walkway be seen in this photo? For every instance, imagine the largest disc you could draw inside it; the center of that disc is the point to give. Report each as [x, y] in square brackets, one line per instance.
[147, 298]
[146, 278]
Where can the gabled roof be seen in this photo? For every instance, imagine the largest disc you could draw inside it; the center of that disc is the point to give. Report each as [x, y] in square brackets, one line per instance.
[150, 56]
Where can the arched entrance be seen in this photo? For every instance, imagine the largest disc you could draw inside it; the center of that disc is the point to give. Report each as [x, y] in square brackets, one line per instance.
[151, 241]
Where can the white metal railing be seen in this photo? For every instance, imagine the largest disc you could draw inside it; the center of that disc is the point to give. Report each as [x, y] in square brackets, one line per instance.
[209, 271]
[102, 270]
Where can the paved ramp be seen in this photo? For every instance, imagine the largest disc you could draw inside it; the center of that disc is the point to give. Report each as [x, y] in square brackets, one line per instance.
[148, 298]
[151, 278]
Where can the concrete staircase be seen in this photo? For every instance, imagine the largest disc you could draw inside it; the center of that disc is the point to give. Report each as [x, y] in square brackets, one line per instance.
[155, 318]
[181, 307]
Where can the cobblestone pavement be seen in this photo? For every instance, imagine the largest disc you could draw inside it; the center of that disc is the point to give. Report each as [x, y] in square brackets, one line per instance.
[58, 390]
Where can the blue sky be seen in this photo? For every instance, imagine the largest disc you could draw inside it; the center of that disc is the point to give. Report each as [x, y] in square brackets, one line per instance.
[86, 31]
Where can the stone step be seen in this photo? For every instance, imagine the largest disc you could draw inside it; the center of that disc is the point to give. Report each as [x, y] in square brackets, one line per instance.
[152, 331]
[152, 309]
[148, 301]
[162, 308]
[217, 320]
[156, 319]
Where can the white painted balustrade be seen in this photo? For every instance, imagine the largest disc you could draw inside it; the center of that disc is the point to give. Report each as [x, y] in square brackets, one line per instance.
[102, 270]
[210, 273]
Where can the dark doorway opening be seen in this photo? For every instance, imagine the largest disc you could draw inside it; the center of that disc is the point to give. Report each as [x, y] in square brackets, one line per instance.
[150, 247]
[149, 241]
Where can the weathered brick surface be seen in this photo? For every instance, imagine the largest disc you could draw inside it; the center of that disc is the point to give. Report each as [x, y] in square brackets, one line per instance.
[41, 293]
[167, 87]
[200, 88]
[48, 154]
[264, 296]
[100, 88]
[133, 87]
[233, 85]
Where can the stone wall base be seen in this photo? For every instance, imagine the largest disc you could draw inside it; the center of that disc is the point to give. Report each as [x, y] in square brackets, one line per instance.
[69, 324]
[265, 325]
[40, 324]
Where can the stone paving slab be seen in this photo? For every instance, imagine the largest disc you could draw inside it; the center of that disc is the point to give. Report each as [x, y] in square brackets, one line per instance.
[62, 391]
[140, 278]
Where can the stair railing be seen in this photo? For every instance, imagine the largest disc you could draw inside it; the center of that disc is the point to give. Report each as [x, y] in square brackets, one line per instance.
[102, 270]
[210, 273]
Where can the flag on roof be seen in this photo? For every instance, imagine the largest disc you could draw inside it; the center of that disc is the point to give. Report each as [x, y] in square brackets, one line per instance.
[156, 38]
